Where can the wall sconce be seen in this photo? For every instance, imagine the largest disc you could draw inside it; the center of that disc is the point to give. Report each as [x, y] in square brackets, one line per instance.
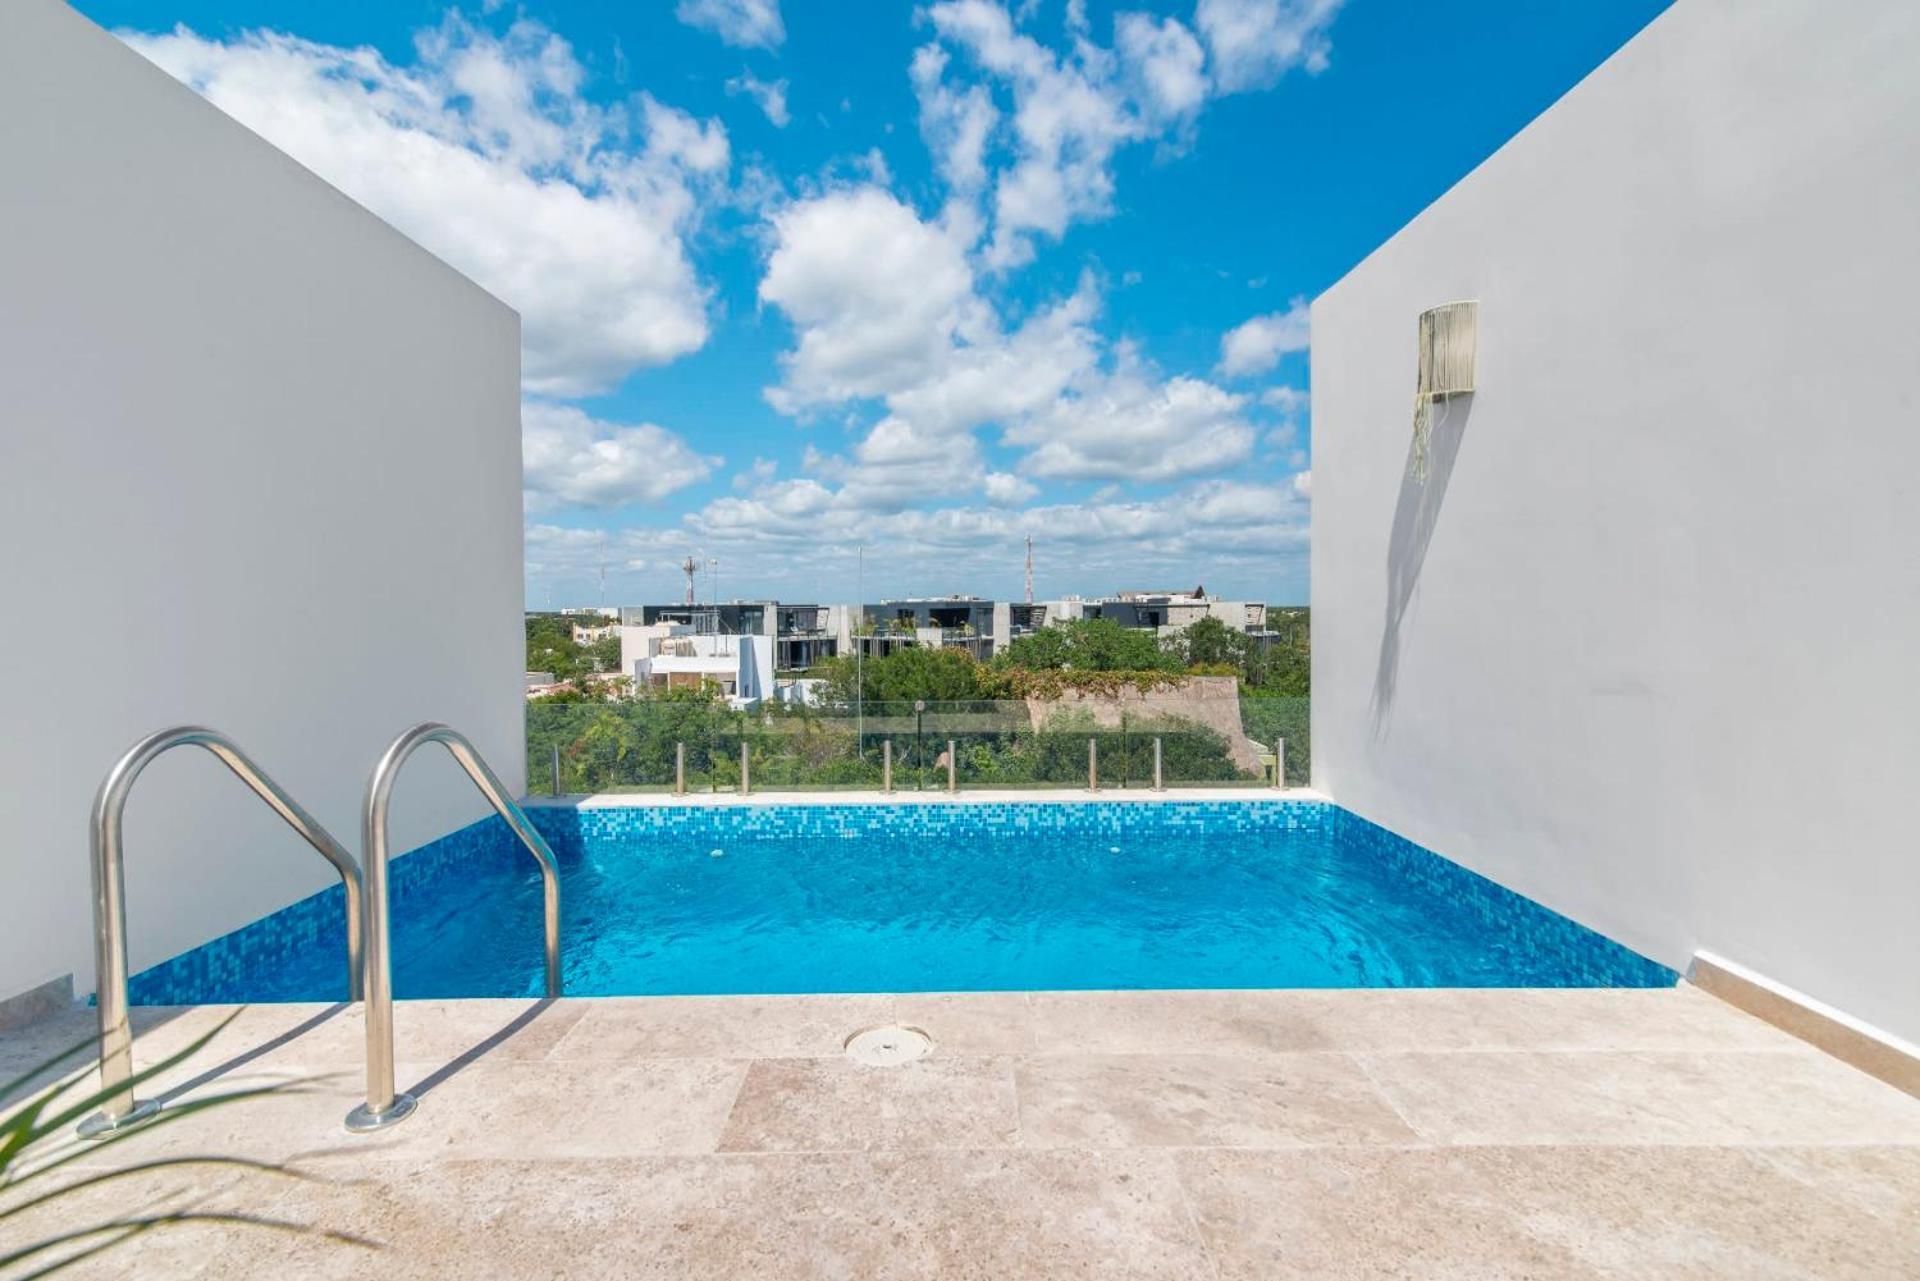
[1449, 341]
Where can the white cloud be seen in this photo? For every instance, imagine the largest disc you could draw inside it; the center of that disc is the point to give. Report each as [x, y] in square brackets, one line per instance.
[571, 459]
[1257, 345]
[760, 473]
[1290, 401]
[483, 150]
[1004, 489]
[1168, 62]
[1252, 533]
[1074, 110]
[744, 24]
[1069, 118]
[876, 294]
[1255, 42]
[885, 309]
[1129, 426]
[771, 95]
[956, 123]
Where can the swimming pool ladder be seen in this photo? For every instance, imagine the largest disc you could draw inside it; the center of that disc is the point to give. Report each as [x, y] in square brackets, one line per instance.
[120, 1108]
[384, 1107]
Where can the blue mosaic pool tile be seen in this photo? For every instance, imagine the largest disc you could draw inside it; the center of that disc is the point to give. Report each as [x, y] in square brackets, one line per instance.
[217, 969]
[1588, 958]
[574, 827]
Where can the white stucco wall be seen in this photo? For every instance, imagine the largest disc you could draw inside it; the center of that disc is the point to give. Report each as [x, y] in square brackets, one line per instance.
[259, 468]
[1644, 646]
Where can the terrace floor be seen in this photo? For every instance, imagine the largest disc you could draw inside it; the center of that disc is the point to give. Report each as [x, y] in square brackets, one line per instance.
[1481, 1134]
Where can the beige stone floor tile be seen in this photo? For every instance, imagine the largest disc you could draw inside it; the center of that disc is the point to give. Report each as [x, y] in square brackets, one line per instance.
[1881, 1181]
[990, 1215]
[1642, 1097]
[298, 1117]
[436, 1031]
[1209, 1022]
[836, 1104]
[1182, 1100]
[501, 1108]
[969, 1022]
[517, 1108]
[1431, 1019]
[617, 1028]
[238, 1033]
[179, 1249]
[1509, 1213]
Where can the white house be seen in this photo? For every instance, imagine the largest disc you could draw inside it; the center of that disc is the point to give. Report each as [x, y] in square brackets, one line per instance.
[674, 656]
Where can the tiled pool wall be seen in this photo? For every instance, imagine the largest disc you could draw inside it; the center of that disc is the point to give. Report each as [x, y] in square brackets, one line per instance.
[1588, 957]
[318, 922]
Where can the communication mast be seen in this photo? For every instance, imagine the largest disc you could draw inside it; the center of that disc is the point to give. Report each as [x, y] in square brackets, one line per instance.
[1029, 569]
[690, 567]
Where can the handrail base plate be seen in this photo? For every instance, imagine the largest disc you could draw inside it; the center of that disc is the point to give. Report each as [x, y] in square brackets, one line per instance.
[101, 1126]
[364, 1120]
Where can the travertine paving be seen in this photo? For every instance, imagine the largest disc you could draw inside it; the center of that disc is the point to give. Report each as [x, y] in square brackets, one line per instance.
[1458, 1134]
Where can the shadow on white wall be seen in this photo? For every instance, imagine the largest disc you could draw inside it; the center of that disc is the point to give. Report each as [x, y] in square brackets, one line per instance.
[1414, 517]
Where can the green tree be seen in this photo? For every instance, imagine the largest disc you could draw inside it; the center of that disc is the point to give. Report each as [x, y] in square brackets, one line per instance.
[1210, 642]
[605, 653]
[934, 674]
[550, 647]
[1090, 645]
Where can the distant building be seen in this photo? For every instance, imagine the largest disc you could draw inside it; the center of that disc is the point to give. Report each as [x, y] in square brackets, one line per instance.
[801, 636]
[663, 656]
[734, 618]
[981, 627]
[590, 634]
[1164, 612]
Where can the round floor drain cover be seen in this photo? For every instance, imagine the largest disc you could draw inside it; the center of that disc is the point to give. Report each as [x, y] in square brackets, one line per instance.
[887, 1046]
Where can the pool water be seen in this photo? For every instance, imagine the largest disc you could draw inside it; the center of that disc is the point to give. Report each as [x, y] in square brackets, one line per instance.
[969, 897]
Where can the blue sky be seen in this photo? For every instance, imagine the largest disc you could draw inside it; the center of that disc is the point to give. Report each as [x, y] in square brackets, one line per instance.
[797, 279]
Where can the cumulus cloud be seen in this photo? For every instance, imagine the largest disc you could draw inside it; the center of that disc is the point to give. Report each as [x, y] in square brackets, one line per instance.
[1168, 62]
[1131, 427]
[1257, 345]
[744, 24]
[1252, 531]
[956, 123]
[1073, 110]
[1255, 42]
[1227, 524]
[1069, 118]
[573, 460]
[1004, 489]
[484, 151]
[1291, 401]
[886, 309]
[770, 95]
[876, 295]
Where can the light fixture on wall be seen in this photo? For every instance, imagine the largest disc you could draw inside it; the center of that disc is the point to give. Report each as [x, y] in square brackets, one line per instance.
[1449, 340]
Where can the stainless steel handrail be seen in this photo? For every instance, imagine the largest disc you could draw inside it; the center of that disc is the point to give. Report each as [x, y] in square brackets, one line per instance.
[383, 1106]
[110, 908]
